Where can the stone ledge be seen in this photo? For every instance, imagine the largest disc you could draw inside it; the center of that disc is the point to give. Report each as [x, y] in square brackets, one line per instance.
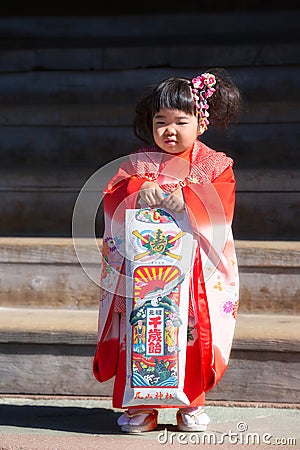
[33, 250]
[50, 352]
[259, 332]
[38, 272]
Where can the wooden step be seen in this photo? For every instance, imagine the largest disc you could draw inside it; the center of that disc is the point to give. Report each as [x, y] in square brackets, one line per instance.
[50, 351]
[45, 272]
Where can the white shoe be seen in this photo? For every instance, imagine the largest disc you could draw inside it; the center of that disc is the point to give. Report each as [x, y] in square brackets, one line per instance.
[192, 419]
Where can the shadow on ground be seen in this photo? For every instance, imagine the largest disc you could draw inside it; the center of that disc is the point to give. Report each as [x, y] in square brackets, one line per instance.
[69, 419]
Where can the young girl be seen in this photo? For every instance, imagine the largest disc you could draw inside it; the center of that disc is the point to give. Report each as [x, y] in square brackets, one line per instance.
[176, 172]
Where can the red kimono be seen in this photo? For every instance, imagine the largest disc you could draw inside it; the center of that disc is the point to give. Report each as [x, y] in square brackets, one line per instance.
[207, 181]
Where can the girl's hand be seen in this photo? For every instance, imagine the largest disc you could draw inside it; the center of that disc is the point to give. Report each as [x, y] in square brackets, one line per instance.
[174, 200]
[151, 193]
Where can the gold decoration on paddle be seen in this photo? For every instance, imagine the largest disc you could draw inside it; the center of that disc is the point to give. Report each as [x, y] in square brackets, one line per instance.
[159, 243]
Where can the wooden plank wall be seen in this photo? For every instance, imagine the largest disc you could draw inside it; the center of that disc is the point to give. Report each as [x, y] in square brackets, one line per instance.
[68, 88]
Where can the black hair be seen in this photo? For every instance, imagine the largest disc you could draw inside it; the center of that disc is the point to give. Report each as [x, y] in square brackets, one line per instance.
[225, 105]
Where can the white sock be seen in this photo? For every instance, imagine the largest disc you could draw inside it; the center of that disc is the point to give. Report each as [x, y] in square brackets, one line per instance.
[136, 420]
[123, 420]
[190, 419]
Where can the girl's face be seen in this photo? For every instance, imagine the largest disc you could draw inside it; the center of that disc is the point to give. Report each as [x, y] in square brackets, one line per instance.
[174, 131]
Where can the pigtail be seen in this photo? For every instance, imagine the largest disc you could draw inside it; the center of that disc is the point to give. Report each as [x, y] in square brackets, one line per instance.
[226, 104]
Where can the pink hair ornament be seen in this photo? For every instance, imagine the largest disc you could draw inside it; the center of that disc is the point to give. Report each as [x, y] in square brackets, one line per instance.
[202, 89]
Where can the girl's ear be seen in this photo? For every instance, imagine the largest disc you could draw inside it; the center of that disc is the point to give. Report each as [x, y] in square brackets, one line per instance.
[202, 127]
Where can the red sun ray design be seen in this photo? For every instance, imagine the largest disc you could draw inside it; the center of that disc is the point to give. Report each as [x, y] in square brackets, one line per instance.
[150, 278]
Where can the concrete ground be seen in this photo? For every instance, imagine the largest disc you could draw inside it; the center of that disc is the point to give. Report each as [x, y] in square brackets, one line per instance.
[70, 423]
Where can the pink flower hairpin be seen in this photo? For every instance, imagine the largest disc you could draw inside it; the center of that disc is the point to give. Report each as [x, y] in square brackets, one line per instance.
[202, 89]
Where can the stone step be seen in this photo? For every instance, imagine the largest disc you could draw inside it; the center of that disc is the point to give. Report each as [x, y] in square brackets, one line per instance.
[50, 352]
[38, 272]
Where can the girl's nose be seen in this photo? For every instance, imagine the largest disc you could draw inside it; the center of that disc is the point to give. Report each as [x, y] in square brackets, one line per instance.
[170, 130]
